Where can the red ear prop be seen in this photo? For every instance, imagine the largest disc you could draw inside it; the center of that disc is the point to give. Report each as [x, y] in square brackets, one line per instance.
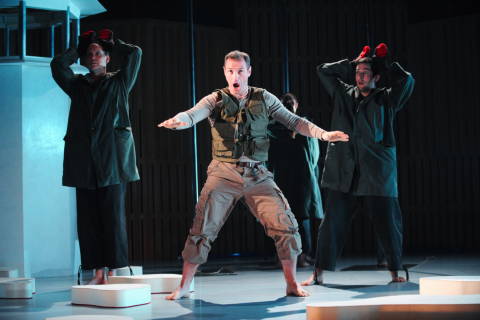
[381, 50]
[105, 35]
[90, 34]
[365, 52]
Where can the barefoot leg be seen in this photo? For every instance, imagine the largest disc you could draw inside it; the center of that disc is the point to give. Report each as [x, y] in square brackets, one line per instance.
[315, 278]
[396, 277]
[99, 277]
[188, 272]
[293, 288]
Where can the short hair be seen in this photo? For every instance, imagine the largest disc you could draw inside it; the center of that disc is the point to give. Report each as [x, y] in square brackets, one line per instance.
[288, 100]
[107, 47]
[237, 55]
[376, 64]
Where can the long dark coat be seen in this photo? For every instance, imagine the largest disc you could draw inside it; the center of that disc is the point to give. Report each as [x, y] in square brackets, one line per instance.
[367, 164]
[99, 147]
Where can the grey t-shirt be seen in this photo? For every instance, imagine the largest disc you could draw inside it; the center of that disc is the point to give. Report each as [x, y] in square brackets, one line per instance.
[276, 110]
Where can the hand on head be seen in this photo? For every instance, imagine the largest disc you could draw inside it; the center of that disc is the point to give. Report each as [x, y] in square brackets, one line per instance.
[84, 40]
[104, 37]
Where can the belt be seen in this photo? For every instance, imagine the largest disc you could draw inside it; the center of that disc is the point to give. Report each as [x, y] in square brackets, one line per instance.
[248, 164]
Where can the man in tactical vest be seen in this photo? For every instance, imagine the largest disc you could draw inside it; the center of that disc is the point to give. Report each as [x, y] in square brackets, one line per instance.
[239, 116]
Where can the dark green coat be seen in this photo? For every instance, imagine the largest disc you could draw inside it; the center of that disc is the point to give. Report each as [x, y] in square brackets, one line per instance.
[294, 163]
[367, 164]
[99, 147]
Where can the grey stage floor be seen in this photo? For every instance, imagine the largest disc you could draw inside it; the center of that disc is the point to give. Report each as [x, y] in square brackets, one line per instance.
[250, 293]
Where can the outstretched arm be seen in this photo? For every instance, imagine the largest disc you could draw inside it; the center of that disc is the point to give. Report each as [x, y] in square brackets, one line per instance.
[61, 72]
[293, 122]
[187, 119]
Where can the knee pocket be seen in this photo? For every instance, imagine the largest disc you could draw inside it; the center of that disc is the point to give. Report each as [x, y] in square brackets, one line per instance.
[199, 219]
[282, 222]
[282, 198]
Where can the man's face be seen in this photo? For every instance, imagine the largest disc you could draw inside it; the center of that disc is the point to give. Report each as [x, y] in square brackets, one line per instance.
[295, 106]
[95, 58]
[237, 73]
[364, 77]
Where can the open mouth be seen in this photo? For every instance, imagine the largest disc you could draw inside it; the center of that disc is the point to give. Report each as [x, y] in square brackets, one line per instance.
[236, 85]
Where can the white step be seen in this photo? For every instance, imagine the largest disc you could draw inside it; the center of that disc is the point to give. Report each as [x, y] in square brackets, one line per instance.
[8, 272]
[17, 288]
[399, 307]
[137, 270]
[160, 283]
[90, 317]
[112, 295]
[451, 285]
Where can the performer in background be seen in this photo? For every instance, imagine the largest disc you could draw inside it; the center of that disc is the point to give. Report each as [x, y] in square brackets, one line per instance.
[239, 115]
[300, 186]
[99, 156]
[362, 174]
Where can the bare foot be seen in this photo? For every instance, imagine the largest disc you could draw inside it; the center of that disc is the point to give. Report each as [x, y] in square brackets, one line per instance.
[178, 294]
[97, 280]
[314, 279]
[398, 279]
[296, 291]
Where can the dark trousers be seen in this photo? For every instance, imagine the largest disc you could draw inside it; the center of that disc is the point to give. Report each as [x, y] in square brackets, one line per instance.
[385, 215]
[304, 229]
[101, 227]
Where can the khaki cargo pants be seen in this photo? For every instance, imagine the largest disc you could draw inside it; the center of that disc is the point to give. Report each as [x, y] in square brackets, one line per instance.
[228, 183]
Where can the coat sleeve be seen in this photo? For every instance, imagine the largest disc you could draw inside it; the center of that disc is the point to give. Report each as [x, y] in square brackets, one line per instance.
[334, 75]
[131, 56]
[402, 86]
[61, 72]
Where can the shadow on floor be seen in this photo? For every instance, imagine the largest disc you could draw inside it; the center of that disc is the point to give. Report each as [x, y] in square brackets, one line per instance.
[248, 311]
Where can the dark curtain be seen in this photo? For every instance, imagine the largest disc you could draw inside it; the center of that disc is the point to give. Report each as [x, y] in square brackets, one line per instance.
[439, 170]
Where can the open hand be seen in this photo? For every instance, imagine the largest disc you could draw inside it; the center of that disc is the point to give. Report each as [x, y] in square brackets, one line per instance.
[172, 123]
[333, 136]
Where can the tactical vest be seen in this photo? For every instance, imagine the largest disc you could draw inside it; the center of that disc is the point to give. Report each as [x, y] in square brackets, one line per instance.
[239, 131]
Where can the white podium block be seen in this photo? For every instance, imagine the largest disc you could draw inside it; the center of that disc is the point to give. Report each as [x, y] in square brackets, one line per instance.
[17, 288]
[399, 307]
[450, 285]
[160, 283]
[90, 317]
[137, 270]
[112, 295]
[8, 272]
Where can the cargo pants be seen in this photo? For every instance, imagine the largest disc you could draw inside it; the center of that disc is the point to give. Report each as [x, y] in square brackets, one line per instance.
[228, 183]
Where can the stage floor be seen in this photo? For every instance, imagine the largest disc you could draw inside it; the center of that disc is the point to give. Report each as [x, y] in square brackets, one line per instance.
[250, 293]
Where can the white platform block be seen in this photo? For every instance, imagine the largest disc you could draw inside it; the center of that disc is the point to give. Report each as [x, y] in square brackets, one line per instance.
[160, 283]
[399, 307]
[450, 285]
[8, 272]
[17, 288]
[137, 270]
[112, 295]
[91, 317]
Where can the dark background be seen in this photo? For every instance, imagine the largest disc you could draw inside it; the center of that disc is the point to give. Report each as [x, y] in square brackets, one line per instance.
[438, 133]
